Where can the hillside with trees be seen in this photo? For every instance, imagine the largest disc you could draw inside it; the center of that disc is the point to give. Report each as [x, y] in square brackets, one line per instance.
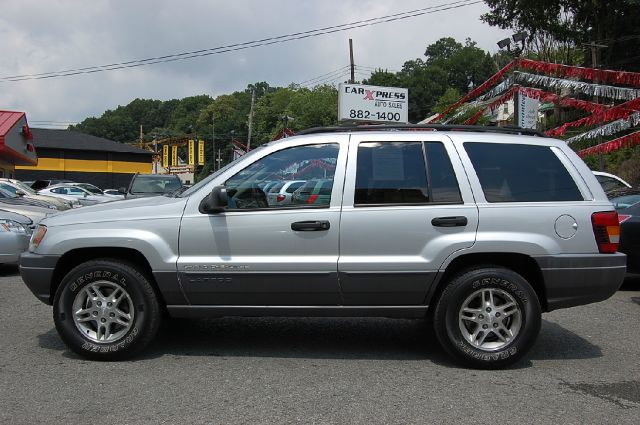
[556, 32]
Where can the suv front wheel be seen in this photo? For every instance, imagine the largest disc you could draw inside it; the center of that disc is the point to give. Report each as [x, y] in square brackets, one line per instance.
[106, 310]
[487, 317]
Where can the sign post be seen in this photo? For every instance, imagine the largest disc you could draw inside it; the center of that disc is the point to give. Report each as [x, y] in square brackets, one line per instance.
[360, 103]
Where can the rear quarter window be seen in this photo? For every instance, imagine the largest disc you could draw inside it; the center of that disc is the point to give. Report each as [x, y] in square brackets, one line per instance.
[521, 173]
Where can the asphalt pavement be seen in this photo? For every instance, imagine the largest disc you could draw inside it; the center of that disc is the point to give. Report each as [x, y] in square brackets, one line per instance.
[583, 369]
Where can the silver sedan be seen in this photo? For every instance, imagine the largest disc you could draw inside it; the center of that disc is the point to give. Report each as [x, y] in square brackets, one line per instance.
[15, 231]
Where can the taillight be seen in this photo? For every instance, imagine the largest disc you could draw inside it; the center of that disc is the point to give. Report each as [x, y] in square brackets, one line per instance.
[312, 199]
[280, 198]
[623, 217]
[606, 229]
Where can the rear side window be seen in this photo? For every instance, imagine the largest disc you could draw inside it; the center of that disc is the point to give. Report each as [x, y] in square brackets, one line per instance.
[326, 187]
[609, 183]
[521, 173]
[294, 186]
[391, 173]
[442, 178]
[396, 173]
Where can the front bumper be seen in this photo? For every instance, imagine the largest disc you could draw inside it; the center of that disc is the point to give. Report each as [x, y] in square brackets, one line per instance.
[572, 280]
[37, 271]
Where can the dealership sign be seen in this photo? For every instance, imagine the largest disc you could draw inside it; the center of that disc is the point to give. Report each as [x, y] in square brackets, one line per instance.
[360, 103]
[527, 112]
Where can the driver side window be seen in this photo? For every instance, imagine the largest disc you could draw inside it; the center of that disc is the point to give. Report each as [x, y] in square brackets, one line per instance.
[273, 181]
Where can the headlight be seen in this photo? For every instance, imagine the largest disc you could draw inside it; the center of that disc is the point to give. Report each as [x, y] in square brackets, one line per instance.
[12, 226]
[37, 237]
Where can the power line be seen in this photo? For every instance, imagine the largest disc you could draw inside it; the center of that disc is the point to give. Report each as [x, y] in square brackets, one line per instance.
[323, 75]
[370, 68]
[330, 80]
[245, 45]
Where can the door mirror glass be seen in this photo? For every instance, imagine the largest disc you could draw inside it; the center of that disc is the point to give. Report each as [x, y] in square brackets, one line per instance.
[215, 202]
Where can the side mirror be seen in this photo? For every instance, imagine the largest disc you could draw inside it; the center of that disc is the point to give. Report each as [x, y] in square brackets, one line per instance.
[20, 193]
[215, 202]
[85, 194]
[122, 190]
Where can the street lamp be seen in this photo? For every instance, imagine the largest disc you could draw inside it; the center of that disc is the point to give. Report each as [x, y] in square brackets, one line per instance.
[505, 43]
[519, 37]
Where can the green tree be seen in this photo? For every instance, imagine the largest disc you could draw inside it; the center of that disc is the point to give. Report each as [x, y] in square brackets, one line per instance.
[563, 26]
[450, 96]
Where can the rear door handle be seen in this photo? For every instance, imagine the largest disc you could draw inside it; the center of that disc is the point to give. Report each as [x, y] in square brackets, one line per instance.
[449, 221]
[310, 226]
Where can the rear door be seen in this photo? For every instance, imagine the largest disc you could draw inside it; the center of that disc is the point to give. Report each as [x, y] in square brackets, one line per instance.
[406, 208]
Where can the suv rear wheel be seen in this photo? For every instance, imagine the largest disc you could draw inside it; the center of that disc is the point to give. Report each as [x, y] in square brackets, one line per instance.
[487, 317]
[106, 310]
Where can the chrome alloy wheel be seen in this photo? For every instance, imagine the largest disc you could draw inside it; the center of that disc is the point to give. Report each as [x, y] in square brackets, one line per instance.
[103, 311]
[489, 319]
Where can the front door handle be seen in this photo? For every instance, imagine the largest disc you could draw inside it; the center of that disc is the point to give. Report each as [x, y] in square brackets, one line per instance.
[449, 221]
[310, 226]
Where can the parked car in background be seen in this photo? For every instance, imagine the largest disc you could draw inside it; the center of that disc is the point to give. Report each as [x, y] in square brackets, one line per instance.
[36, 214]
[314, 192]
[15, 231]
[41, 184]
[20, 189]
[114, 193]
[10, 198]
[95, 190]
[82, 195]
[280, 194]
[143, 185]
[610, 182]
[627, 203]
[624, 198]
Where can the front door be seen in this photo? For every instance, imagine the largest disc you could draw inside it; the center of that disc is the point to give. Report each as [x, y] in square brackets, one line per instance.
[268, 253]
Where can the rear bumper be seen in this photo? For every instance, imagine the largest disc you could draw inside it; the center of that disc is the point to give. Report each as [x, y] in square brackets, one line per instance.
[36, 271]
[572, 280]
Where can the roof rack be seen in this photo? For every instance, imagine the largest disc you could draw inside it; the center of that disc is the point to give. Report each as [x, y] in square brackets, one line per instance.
[424, 127]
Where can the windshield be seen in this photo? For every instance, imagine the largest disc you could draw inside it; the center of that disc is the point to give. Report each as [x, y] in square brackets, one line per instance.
[26, 189]
[155, 184]
[91, 188]
[6, 194]
[210, 177]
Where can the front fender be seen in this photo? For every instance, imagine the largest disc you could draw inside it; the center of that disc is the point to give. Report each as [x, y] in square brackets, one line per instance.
[156, 239]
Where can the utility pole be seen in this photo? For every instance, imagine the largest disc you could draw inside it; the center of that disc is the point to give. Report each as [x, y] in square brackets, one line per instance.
[213, 140]
[140, 141]
[353, 67]
[253, 101]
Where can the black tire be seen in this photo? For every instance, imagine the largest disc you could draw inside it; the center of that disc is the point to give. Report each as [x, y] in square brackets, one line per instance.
[507, 285]
[142, 301]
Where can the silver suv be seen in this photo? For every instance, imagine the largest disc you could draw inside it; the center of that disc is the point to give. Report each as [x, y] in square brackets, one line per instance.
[479, 230]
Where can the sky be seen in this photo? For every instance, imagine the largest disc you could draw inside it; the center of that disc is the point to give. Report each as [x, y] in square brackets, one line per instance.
[43, 36]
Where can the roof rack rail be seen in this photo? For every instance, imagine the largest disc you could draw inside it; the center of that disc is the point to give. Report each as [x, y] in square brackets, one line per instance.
[424, 127]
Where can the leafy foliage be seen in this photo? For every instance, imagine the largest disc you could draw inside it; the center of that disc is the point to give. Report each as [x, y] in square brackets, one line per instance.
[563, 26]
